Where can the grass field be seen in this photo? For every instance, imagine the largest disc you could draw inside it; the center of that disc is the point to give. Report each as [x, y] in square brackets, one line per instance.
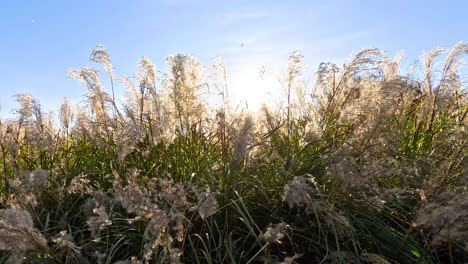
[366, 165]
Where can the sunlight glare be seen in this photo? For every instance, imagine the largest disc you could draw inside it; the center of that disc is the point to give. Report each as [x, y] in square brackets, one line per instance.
[250, 90]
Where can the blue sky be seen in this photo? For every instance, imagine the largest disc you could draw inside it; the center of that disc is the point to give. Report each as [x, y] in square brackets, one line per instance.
[40, 40]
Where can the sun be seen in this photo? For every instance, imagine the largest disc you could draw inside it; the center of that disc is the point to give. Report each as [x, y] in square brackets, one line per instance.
[249, 90]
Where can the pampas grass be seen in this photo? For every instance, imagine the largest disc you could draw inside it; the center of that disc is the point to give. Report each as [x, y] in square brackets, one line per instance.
[368, 165]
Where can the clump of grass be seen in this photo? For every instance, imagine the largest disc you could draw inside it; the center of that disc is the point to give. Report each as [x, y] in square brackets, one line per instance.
[366, 166]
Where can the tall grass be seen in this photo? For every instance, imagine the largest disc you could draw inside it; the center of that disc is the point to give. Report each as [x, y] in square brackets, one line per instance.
[368, 165]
